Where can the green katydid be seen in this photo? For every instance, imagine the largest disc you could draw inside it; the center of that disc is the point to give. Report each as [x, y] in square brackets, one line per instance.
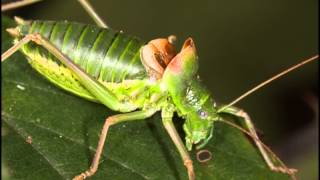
[171, 80]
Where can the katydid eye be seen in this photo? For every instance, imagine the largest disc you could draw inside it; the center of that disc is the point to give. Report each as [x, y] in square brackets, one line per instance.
[203, 114]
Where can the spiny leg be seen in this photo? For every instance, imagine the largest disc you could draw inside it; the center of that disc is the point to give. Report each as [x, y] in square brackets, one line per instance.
[138, 115]
[92, 13]
[15, 48]
[290, 172]
[169, 126]
[104, 95]
[240, 113]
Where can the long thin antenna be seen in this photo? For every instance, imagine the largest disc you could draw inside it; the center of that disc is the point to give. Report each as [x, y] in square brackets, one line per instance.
[270, 80]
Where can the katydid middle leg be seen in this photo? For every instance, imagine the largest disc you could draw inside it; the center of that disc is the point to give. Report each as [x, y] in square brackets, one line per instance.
[137, 115]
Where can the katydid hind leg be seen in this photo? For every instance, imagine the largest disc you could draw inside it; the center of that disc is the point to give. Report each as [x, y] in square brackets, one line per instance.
[15, 48]
[170, 128]
[112, 120]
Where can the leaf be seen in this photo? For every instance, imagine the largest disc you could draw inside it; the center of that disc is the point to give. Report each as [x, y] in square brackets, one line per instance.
[64, 131]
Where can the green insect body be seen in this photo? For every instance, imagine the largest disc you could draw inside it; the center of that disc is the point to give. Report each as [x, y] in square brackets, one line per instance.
[109, 56]
[113, 58]
[127, 75]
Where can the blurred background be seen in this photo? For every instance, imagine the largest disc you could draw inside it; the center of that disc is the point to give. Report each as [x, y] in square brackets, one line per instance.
[240, 44]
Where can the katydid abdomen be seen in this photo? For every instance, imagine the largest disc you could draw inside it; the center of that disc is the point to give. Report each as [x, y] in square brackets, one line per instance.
[107, 55]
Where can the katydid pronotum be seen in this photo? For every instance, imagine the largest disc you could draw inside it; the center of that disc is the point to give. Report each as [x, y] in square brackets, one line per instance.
[171, 79]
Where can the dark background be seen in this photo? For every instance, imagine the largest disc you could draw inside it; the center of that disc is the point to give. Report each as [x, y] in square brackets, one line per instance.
[240, 44]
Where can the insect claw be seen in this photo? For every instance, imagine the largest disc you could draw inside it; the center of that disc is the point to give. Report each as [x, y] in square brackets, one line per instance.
[79, 177]
[293, 171]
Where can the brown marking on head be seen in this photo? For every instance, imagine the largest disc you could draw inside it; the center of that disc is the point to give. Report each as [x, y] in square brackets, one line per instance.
[189, 43]
[150, 62]
[165, 48]
[156, 55]
[178, 62]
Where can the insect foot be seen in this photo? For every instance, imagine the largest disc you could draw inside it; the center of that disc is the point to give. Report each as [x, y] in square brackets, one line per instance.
[80, 177]
[86, 174]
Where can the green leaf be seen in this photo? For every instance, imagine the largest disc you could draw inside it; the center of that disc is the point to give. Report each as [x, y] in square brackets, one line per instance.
[64, 130]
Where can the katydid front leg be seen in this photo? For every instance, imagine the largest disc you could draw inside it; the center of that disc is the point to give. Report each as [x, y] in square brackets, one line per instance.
[137, 115]
[249, 125]
[167, 115]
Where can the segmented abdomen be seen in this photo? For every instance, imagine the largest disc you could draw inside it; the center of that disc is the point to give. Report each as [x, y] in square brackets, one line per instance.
[105, 54]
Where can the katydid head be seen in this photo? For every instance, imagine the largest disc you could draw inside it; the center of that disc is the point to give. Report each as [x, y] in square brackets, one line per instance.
[198, 125]
[193, 101]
